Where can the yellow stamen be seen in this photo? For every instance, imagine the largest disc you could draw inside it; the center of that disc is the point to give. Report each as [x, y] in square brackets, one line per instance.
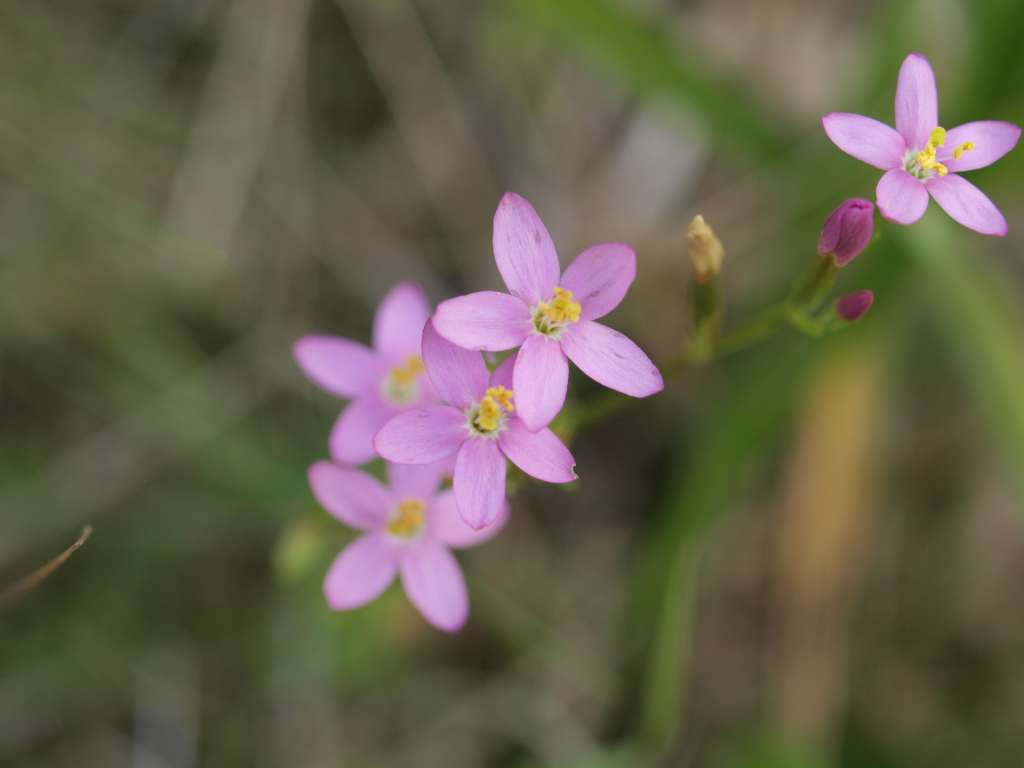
[562, 308]
[407, 373]
[967, 146]
[937, 137]
[408, 519]
[926, 157]
[496, 402]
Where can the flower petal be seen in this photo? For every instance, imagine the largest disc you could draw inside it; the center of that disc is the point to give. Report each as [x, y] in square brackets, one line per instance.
[448, 527]
[917, 101]
[340, 366]
[459, 375]
[967, 204]
[422, 435]
[523, 250]
[599, 278]
[540, 380]
[398, 323]
[539, 454]
[351, 440]
[487, 320]
[434, 583]
[479, 482]
[901, 197]
[865, 138]
[360, 573]
[417, 481]
[611, 359]
[356, 498]
[991, 138]
[502, 376]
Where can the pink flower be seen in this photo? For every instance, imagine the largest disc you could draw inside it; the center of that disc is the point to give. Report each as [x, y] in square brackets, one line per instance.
[479, 424]
[551, 316]
[920, 158]
[409, 528]
[380, 382]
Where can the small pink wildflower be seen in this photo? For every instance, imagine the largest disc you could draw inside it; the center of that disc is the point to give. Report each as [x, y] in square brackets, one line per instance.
[380, 382]
[409, 528]
[853, 306]
[479, 425]
[919, 157]
[847, 231]
[552, 317]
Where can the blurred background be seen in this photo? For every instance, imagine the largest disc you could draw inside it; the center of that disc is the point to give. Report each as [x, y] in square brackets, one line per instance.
[808, 554]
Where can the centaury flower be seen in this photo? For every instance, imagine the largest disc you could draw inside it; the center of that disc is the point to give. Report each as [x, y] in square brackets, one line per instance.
[380, 382]
[552, 316]
[479, 424]
[920, 157]
[409, 529]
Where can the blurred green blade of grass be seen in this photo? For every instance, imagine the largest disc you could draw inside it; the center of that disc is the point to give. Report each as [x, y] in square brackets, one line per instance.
[982, 322]
[646, 59]
[740, 428]
[742, 425]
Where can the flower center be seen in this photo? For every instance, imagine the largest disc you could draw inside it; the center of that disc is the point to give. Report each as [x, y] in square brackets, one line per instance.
[407, 519]
[401, 385]
[923, 164]
[487, 418]
[550, 317]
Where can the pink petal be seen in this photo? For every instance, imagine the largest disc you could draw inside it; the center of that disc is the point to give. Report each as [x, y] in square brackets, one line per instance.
[901, 197]
[354, 497]
[398, 324]
[611, 359]
[523, 250]
[917, 101]
[479, 482]
[502, 376]
[540, 380]
[422, 435]
[351, 440]
[361, 572]
[992, 139]
[417, 481]
[599, 278]
[448, 527]
[866, 139]
[967, 205]
[434, 583]
[539, 454]
[342, 367]
[459, 375]
[487, 320]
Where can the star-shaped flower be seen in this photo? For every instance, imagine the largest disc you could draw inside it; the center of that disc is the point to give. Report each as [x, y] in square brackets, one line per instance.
[921, 158]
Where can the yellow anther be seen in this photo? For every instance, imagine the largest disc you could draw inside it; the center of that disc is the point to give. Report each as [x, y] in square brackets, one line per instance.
[967, 146]
[496, 402]
[408, 519]
[562, 308]
[937, 137]
[407, 373]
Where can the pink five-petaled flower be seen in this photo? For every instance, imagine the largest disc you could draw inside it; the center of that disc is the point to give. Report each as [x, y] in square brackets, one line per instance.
[381, 381]
[409, 528]
[920, 158]
[478, 425]
[551, 316]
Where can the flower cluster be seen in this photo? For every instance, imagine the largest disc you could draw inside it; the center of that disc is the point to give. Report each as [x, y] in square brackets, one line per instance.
[424, 400]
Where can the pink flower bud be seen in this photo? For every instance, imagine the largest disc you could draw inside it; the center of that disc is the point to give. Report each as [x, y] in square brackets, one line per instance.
[854, 306]
[847, 231]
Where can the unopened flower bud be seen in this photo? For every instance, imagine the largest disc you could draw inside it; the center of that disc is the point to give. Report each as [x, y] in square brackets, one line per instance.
[847, 231]
[705, 249]
[854, 306]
